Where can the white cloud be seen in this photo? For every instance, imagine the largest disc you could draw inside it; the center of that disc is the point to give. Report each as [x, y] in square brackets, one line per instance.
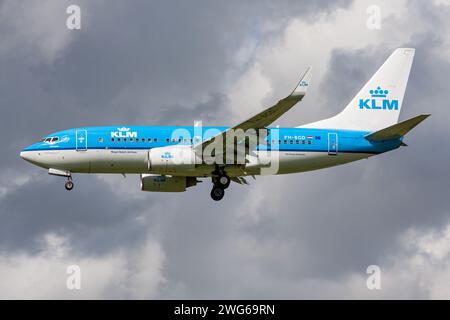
[11, 180]
[134, 274]
[36, 27]
[279, 61]
[420, 269]
[248, 92]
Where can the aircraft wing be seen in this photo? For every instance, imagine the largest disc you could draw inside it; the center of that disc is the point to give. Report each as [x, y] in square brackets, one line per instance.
[269, 115]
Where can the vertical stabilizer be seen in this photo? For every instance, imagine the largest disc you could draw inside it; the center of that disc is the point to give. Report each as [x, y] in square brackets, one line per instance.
[377, 105]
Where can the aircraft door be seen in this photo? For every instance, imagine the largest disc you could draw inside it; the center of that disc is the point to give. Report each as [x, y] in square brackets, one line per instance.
[332, 144]
[81, 140]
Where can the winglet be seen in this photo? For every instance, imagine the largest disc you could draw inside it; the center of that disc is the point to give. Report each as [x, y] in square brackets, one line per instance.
[303, 85]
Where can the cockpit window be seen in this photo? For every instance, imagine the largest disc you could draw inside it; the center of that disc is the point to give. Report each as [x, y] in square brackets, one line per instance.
[49, 139]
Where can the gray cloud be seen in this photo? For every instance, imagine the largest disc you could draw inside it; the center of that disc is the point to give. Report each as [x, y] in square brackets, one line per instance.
[92, 226]
[169, 63]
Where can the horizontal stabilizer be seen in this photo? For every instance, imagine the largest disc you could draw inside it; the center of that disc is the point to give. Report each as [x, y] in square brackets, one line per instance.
[396, 131]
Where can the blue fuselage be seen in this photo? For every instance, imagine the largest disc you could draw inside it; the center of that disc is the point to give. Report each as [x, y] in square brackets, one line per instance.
[148, 137]
[162, 150]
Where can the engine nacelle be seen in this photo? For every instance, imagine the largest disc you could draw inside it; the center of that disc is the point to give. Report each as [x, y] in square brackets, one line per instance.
[157, 183]
[172, 159]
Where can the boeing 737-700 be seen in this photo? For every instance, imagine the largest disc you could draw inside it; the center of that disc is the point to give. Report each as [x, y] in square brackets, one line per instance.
[171, 159]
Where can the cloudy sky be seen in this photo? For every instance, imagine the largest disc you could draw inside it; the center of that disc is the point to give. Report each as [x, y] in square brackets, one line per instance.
[309, 235]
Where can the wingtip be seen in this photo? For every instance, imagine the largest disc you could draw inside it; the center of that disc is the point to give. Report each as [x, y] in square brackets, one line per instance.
[424, 116]
[308, 73]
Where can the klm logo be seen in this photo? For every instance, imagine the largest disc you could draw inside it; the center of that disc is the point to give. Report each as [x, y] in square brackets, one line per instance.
[303, 84]
[123, 133]
[166, 155]
[378, 101]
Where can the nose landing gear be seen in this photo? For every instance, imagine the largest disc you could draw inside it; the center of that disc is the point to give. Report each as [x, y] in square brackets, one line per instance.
[63, 173]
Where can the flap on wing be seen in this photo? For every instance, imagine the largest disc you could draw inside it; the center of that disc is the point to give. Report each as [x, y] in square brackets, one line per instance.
[240, 180]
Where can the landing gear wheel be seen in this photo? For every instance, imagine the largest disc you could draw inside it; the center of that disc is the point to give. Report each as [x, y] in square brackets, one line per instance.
[69, 185]
[217, 193]
[223, 181]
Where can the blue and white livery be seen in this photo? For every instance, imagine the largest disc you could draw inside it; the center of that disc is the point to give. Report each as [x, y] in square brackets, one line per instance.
[171, 159]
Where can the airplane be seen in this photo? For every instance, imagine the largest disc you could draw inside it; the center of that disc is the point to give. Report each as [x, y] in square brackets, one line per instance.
[172, 158]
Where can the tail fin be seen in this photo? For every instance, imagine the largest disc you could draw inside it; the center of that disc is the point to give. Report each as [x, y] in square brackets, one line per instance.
[396, 131]
[377, 105]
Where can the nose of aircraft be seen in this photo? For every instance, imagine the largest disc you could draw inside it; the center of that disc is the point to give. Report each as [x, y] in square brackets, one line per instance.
[33, 156]
[25, 155]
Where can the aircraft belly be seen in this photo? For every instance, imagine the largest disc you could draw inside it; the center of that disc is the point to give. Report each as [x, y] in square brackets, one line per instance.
[99, 161]
[72, 160]
[119, 161]
[136, 161]
[291, 162]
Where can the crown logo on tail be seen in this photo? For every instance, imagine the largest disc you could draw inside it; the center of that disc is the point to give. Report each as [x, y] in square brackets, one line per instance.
[379, 93]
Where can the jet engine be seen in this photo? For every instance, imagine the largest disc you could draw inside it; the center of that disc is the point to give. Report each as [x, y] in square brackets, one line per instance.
[158, 183]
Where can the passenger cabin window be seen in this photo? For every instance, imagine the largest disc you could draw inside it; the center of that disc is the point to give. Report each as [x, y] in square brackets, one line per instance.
[112, 139]
[100, 139]
[155, 140]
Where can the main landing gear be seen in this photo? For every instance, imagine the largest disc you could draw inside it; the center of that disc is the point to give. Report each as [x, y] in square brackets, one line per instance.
[217, 193]
[220, 182]
[69, 184]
